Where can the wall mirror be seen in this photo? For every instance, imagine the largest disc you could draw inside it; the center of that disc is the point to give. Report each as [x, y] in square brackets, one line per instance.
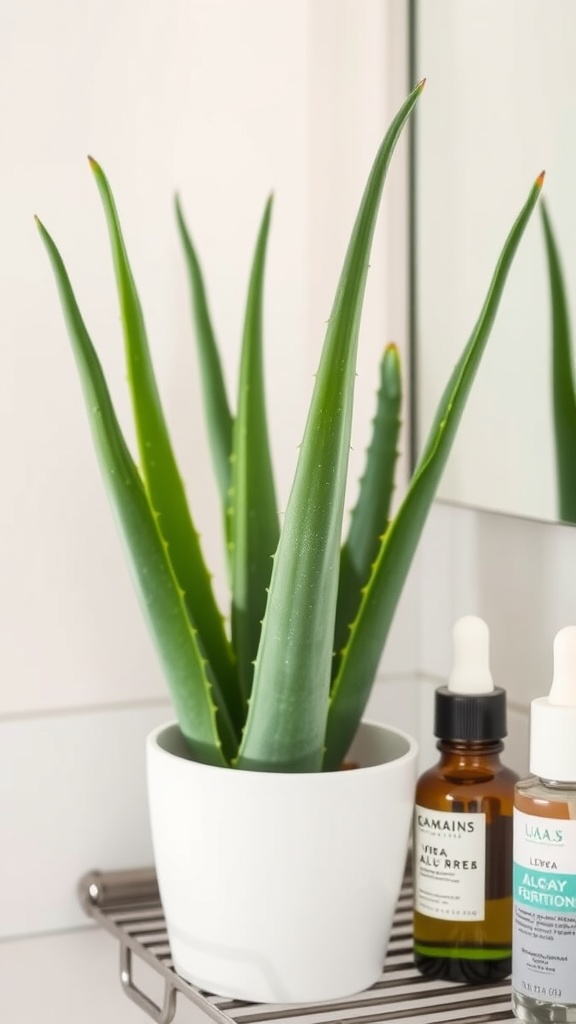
[500, 105]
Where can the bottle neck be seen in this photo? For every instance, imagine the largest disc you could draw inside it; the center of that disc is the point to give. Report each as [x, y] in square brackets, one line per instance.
[470, 751]
[553, 784]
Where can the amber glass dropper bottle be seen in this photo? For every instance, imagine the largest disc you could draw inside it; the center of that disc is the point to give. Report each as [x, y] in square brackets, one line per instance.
[463, 826]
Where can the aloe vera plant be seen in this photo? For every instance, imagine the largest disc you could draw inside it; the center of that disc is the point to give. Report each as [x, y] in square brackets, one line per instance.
[286, 688]
[563, 389]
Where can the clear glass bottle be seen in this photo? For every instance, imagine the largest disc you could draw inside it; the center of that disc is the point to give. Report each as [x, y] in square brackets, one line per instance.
[463, 826]
[544, 853]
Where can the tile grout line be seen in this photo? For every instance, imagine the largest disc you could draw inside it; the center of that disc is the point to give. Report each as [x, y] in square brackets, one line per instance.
[48, 933]
[88, 709]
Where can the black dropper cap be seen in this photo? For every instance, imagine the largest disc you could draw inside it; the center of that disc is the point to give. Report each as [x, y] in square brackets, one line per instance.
[470, 716]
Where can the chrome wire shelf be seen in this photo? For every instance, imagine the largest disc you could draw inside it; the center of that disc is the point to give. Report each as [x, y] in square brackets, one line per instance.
[127, 904]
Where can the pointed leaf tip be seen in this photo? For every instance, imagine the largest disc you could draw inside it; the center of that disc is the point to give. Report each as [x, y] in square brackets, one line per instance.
[421, 84]
[540, 179]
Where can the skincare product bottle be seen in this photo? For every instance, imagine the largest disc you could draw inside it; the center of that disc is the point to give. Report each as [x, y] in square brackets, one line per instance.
[544, 936]
[462, 851]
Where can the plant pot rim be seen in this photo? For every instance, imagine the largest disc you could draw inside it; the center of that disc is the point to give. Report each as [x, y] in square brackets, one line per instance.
[411, 752]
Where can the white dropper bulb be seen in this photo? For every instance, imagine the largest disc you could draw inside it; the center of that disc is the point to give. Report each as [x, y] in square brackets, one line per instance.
[563, 689]
[471, 657]
[553, 718]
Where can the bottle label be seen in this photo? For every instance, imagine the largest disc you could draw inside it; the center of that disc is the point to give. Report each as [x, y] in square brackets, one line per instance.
[449, 865]
[544, 933]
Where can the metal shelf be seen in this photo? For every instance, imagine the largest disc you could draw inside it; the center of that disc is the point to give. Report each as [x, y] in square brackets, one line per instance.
[127, 904]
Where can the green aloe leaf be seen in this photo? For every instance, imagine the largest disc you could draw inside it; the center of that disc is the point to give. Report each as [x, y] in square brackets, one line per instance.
[359, 661]
[160, 470]
[254, 526]
[371, 514]
[219, 418]
[563, 393]
[184, 666]
[287, 712]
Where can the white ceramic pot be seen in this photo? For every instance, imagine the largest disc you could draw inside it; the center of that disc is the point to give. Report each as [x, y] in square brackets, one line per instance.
[281, 887]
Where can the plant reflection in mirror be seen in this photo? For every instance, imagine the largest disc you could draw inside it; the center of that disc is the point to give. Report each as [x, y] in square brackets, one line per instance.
[563, 392]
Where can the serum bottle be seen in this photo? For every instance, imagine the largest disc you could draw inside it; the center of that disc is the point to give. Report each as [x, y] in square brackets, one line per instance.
[462, 850]
[544, 936]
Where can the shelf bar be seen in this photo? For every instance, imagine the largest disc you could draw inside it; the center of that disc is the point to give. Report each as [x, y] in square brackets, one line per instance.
[127, 904]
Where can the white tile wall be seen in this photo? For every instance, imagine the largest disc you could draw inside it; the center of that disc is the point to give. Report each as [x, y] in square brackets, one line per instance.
[517, 741]
[72, 977]
[165, 97]
[62, 979]
[358, 83]
[72, 798]
[517, 574]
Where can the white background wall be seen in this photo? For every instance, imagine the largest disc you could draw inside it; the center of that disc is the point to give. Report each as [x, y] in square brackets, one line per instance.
[166, 98]
[223, 100]
[80, 688]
